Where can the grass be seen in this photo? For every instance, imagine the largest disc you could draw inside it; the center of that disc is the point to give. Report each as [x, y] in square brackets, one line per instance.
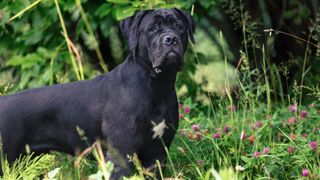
[236, 142]
[254, 139]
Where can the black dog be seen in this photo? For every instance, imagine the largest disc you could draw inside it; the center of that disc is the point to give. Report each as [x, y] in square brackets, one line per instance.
[132, 108]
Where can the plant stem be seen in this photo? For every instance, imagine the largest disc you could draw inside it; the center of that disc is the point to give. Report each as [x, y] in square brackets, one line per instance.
[91, 34]
[24, 10]
[65, 33]
[291, 35]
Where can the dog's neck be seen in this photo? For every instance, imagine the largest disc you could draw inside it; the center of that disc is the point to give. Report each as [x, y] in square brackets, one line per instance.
[143, 63]
[161, 78]
[160, 85]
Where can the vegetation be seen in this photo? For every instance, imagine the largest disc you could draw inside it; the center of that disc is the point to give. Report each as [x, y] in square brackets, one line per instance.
[249, 92]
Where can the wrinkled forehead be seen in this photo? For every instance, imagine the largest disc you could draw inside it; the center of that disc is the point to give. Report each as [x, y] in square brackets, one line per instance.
[163, 14]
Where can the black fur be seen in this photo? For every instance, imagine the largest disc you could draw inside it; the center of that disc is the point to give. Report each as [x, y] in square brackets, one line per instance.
[121, 107]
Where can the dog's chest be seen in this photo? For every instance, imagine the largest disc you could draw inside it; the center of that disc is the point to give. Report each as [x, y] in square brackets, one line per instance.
[158, 129]
[159, 121]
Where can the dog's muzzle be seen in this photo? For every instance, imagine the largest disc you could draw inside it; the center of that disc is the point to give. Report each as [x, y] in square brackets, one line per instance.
[170, 56]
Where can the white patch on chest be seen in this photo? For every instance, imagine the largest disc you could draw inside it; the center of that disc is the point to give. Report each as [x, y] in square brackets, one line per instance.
[158, 129]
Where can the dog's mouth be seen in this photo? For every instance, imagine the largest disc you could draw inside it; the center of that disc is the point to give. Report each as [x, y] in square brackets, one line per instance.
[171, 61]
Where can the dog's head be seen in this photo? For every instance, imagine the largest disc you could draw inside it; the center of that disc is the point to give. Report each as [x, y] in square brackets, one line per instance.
[159, 37]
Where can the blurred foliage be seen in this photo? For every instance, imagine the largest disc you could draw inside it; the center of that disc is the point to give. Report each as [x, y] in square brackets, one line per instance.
[34, 51]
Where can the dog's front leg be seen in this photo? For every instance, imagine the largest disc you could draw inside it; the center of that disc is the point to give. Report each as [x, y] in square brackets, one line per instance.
[122, 168]
[151, 155]
[120, 139]
[156, 151]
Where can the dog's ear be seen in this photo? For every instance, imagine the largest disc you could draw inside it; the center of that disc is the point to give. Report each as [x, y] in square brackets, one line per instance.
[189, 20]
[130, 27]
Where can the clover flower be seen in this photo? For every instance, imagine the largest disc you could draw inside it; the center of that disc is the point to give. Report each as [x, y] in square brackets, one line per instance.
[266, 150]
[259, 124]
[305, 173]
[226, 129]
[303, 114]
[195, 127]
[243, 136]
[292, 120]
[292, 136]
[251, 138]
[256, 154]
[291, 150]
[293, 108]
[197, 136]
[313, 145]
[216, 136]
[187, 109]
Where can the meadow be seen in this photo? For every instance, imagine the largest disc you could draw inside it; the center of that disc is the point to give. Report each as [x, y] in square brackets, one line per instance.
[234, 141]
[242, 114]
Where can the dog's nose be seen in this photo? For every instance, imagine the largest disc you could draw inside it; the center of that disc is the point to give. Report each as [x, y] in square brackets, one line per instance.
[170, 40]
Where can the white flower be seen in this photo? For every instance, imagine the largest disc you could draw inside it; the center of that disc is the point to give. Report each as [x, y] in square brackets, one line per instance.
[239, 168]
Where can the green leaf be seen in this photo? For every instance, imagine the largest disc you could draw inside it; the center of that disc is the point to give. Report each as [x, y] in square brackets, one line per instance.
[25, 62]
[206, 4]
[246, 159]
[32, 37]
[104, 10]
[123, 12]
[43, 52]
[119, 1]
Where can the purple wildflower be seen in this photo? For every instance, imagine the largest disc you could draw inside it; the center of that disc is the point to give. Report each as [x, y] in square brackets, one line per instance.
[200, 162]
[216, 136]
[256, 154]
[266, 150]
[196, 127]
[291, 150]
[226, 129]
[292, 136]
[187, 109]
[313, 145]
[292, 120]
[305, 172]
[259, 124]
[304, 114]
[197, 136]
[243, 136]
[293, 108]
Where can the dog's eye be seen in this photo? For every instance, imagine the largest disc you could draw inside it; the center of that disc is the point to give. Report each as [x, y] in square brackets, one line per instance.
[153, 28]
[179, 27]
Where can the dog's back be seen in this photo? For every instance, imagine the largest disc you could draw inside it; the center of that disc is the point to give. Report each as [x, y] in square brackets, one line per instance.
[37, 116]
